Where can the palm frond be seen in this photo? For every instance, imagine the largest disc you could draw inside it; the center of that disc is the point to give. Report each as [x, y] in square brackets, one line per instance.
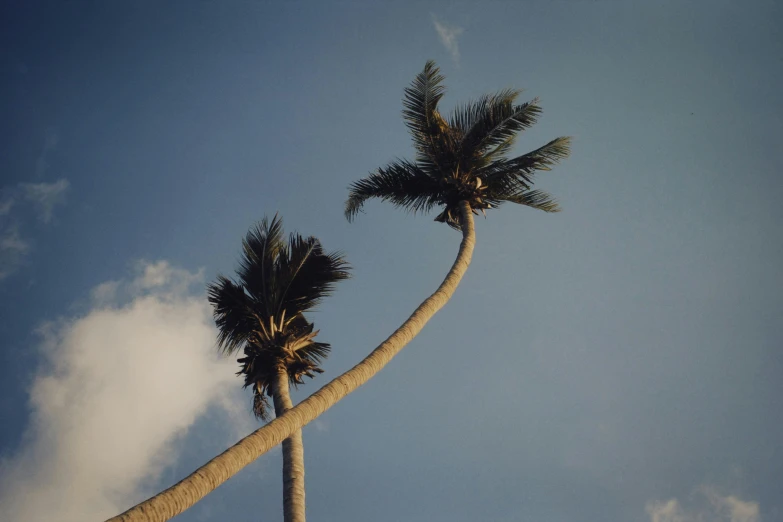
[535, 199]
[451, 217]
[498, 120]
[402, 183]
[523, 167]
[316, 352]
[260, 364]
[420, 104]
[308, 363]
[260, 405]
[262, 246]
[465, 117]
[232, 312]
[309, 274]
[543, 158]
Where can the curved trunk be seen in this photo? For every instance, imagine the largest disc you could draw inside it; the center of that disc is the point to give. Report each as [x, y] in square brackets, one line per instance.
[293, 456]
[191, 489]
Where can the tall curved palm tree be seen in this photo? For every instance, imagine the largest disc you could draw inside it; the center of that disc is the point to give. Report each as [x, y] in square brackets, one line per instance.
[262, 314]
[461, 166]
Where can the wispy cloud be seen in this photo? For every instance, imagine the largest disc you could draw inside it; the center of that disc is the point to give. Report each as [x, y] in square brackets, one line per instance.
[162, 274]
[11, 241]
[118, 390]
[45, 196]
[13, 249]
[448, 35]
[14, 246]
[713, 508]
[669, 511]
[731, 507]
[6, 206]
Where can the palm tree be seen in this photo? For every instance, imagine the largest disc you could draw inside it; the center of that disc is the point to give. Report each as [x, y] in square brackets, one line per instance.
[263, 315]
[461, 166]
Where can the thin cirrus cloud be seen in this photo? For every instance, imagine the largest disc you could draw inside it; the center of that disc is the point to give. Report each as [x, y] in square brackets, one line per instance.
[118, 389]
[448, 35]
[6, 206]
[44, 197]
[708, 506]
[13, 249]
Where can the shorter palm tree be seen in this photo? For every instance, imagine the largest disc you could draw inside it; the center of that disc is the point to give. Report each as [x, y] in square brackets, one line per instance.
[263, 314]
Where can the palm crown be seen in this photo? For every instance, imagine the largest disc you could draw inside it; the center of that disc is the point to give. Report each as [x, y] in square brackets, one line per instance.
[462, 159]
[263, 311]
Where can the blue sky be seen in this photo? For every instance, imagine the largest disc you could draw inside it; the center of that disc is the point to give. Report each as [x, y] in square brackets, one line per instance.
[618, 361]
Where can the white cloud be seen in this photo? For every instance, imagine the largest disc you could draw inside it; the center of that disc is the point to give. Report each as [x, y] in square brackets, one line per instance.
[717, 508]
[731, 507]
[45, 196]
[105, 294]
[118, 389]
[448, 35]
[160, 274]
[669, 511]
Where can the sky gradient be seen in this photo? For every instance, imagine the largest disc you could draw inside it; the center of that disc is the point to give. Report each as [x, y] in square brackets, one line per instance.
[620, 361]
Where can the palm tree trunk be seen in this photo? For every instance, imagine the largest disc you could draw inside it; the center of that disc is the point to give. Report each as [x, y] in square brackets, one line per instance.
[293, 455]
[190, 490]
